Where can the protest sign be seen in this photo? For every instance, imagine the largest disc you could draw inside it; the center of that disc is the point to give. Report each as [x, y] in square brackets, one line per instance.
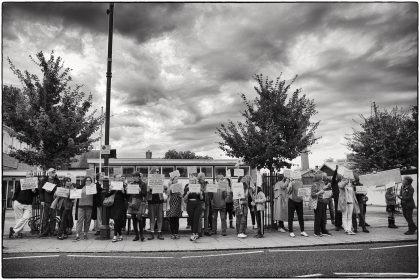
[361, 189]
[174, 174]
[62, 192]
[155, 181]
[287, 173]
[191, 169]
[91, 189]
[48, 186]
[238, 190]
[157, 189]
[117, 185]
[176, 188]
[390, 185]
[211, 188]
[29, 183]
[133, 189]
[326, 194]
[295, 175]
[381, 178]
[223, 185]
[194, 188]
[304, 192]
[75, 193]
[238, 172]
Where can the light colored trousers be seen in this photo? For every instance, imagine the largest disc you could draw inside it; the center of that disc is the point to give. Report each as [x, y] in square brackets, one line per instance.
[98, 221]
[23, 213]
[84, 218]
[347, 215]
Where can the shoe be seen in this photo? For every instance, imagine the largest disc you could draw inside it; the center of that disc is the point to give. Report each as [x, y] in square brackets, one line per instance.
[367, 225]
[224, 234]
[281, 230]
[173, 236]
[200, 234]
[259, 236]
[355, 230]
[60, 237]
[241, 235]
[207, 233]
[304, 234]
[410, 232]
[65, 236]
[160, 237]
[98, 233]
[77, 238]
[20, 235]
[11, 232]
[326, 234]
[120, 238]
[292, 234]
[188, 227]
[152, 236]
[351, 233]
[193, 237]
[337, 229]
[317, 235]
[136, 238]
[142, 238]
[365, 230]
[85, 237]
[114, 239]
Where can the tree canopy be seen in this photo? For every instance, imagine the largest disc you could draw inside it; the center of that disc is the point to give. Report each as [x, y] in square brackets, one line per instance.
[173, 154]
[52, 117]
[386, 140]
[277, 126]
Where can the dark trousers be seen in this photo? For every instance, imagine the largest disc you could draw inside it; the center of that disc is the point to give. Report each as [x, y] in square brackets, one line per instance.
[64, 221]
[194, 211]
[138, 222]
[320, 218]
[174, 224]
[252, 210]
[330, 206]
[408, 215]
[298, 207]
[229, 210]
[118, 225]
[338, 215]
[48, 219]
[281, 224]
[361, 216]
[260, 214]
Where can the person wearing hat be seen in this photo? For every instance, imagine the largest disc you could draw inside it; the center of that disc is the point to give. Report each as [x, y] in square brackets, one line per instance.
[391, 201]
[155, 204]
[407, 204]
[47, 197]
[218, 201]
[175, 202]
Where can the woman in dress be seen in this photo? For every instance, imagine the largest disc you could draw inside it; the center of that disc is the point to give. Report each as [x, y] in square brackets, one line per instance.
[174, 212]
[280, 203]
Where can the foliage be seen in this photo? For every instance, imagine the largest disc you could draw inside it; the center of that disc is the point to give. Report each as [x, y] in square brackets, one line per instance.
[386, 140]
[173, 154]
[53, 118]
[276, 126]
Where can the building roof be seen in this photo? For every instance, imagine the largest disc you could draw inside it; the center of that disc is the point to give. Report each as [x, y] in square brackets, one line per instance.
[10, 163]
[162, 161]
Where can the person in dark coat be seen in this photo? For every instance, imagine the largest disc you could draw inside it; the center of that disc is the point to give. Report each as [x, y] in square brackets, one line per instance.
[48, 215]
[65, 205]
[97, 205]
[407, 204]
[137, 204]
[361, 200]
[118, 211]
[336, 193]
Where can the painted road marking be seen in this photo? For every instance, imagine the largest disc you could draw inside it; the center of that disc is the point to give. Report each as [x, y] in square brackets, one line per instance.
[314, 250]
[218, 255]
[310, 275]
[358, 274]
[397, 246]
[30, 257]
[124, 257]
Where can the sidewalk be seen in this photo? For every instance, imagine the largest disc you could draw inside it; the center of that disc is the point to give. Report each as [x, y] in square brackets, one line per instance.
[376, 217]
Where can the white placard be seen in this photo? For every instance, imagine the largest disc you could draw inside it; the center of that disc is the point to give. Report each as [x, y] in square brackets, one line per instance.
[303, 192]
[29, 183]
[157, 189]
[327, 194]
[194, 188]
[361, 189]
[133, 189]
[238, 191]
[223, 185]
[287, 173]
[211, 188]
[62, 192]
[238, 172]
[176, 188]
[117, 185]
[191, 169]
[75, 193]
[155, 181]
[381, 178]
[295, 174]
[48, 186]
[91, 189]
[174, 174]
[390, 185]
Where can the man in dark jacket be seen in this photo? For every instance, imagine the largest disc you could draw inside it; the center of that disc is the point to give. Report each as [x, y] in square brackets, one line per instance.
[336, 193]
[407, 204]
[46, 198]
[22, 206]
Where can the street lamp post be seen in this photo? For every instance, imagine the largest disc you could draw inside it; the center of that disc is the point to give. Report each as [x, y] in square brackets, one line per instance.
[105, 231]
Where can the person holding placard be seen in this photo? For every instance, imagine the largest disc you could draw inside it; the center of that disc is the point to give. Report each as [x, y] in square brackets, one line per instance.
[241, 209]
[175, 202]
[347, 204]
[407, 204]
[260, 200]
[206, 213]
[118, 209]
[229, 203]
[218, 203]
[361, 201]
[155, 201]
[137, 206]
[64, 205]
[295, 203]
[280, 208]
[336, 193]
[84, 207]
[22, 207]
[391, 201]
[194, 207]
[317, 191]
[97, 205]
[46, 198]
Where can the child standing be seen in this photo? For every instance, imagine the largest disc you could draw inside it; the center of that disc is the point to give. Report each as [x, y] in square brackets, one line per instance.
[391, 201]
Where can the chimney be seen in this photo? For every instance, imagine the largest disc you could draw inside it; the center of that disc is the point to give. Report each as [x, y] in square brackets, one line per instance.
[304, 159]
[148, 154]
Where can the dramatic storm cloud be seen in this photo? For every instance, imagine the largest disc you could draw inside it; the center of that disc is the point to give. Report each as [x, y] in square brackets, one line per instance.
[178, 68]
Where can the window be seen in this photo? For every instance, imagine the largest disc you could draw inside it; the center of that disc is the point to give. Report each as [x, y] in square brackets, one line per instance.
[127, 171]
[220, 170]
[207, 170]
[166, 170]
[143, 170]
[182, 171]
[160, 168]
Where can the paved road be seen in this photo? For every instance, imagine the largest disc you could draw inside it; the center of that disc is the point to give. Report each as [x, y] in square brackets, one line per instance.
[362, 260]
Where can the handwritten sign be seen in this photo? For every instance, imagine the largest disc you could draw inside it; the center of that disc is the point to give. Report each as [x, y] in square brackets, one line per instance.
[295, 175]
[194, 188]
[133, 189]
[155, 181]
[211, 188]
[326, 194]
[287, 173]
[238, 172]
[29, 183]
[174, 174]
[176, 188]
[223, 185]
[304, 192]
[381, 178]
[75, 193]
[117, 185]
[48, 186]
[157, 189]
[390, 185]
[191, 169]
[238, 191]
[361, 189]
[91, 189]
[62, 192]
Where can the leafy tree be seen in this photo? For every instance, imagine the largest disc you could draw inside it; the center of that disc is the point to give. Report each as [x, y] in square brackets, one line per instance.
[386, 140]
[173, 154]
[49, 115]
[276, 129]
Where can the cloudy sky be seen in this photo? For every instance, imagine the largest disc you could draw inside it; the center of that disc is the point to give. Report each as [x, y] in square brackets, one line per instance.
[178, 68]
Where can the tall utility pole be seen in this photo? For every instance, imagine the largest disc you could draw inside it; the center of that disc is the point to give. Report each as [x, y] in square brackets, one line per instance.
[105, 232]
[100, 145]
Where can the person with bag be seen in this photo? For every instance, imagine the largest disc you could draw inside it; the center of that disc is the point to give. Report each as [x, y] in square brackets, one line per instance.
[155, 204]
[391, 201]
[295, 203]
[48, 215]
[84, 207]
[407, 204]
[116, 201]
[347, 204]
[218, 201]
[137, 206]
[174, 212]
[317, 191]
[194, 208]
[64, 204]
